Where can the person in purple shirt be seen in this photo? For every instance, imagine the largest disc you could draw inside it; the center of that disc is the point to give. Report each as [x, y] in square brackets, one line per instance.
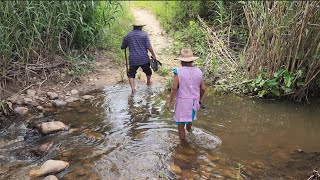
[188, 89]
[138, 43]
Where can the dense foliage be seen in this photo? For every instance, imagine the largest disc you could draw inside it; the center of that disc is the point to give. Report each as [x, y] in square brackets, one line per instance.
[273, 47]
[35, 33]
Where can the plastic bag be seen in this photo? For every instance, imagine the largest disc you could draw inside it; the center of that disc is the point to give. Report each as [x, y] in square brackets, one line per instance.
[155, 64]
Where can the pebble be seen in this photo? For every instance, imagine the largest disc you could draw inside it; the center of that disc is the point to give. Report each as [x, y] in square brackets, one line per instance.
[74, 91]
[52, 95]
[175, 168]
[58, 103]
[22, 111]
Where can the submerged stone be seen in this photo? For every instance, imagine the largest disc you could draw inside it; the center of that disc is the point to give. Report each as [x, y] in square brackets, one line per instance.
[50, 166]
[51, 177]
[50, 127]
[175, 168]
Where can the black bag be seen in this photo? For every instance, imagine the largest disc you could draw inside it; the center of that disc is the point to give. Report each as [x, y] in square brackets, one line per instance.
[155, 64]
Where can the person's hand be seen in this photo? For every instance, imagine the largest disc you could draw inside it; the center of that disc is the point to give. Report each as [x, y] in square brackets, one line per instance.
[153, 57]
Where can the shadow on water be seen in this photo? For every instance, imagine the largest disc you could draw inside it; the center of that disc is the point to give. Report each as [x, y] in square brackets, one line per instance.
[117, 135]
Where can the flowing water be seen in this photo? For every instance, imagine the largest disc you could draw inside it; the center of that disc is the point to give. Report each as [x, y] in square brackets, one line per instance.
[119, 136]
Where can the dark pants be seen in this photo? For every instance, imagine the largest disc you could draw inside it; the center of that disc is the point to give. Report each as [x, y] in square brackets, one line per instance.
[133, 70]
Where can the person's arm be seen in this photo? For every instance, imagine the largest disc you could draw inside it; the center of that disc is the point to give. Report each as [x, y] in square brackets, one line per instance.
[152, 53]
[149, 47]
[173, 92]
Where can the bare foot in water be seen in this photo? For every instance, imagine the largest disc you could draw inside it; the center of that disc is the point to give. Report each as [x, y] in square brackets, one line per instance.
[133, 91]
[149, 83]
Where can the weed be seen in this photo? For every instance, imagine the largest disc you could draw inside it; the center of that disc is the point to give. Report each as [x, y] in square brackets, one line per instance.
[79, 64]
[114, 34]
[283, 82]
[169, 83]
[2, 106]
[239, 171]
[122, 73]
[139, 76]
[163, 71]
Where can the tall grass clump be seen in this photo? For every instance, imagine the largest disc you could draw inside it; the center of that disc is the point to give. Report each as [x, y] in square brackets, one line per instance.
[213, 29]
[114, 34]
[36, 35]
[282, 53]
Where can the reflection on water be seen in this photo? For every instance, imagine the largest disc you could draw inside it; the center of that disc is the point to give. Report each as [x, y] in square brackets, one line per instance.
[117, 135]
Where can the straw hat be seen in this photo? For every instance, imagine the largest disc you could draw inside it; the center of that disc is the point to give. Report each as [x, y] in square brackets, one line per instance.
[138, 24]
[186, 55]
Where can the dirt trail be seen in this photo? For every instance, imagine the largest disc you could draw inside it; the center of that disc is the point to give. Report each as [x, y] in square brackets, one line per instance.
[159, 39]
[105, 68]
[106, 71]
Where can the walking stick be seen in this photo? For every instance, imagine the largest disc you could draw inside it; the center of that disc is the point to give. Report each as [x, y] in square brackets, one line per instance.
[125, 56]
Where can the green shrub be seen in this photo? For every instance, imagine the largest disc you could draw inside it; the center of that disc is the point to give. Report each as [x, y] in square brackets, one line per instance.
[282, 83]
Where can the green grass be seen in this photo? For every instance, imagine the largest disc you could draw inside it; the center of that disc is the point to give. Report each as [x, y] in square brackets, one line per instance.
[114, 34]
[162, 9]
[186, 31]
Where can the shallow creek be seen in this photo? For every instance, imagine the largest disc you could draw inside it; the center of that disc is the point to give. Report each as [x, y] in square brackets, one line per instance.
[119, 136]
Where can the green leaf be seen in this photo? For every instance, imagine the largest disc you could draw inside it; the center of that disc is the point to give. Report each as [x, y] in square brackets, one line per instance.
[278, 73]
[275, 92]
[262, 93]
[286, 89]
[272, 83]
[288, 79]
[300, 83]
[262, 82]
[299, 73]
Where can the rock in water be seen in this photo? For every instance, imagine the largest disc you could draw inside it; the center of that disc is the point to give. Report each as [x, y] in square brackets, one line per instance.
[51, 177]
[203, 139]
[50, 166]
[50, 127]
[42, 149]
[175, 169]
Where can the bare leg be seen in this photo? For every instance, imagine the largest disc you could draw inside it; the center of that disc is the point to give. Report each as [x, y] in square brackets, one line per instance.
[189, 127]
[181, 131]
[131, 82]
[148, 80]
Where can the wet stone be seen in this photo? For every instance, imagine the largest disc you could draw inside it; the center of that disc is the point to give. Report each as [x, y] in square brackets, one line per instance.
[52, 95]
[71, 99]
[50, 166]
[40, 108]
[58, 103]
[50, 127]
[22, 111]
[31, 93]
[51, 177]
[87, 97]
[74, 91]
[176, 169]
